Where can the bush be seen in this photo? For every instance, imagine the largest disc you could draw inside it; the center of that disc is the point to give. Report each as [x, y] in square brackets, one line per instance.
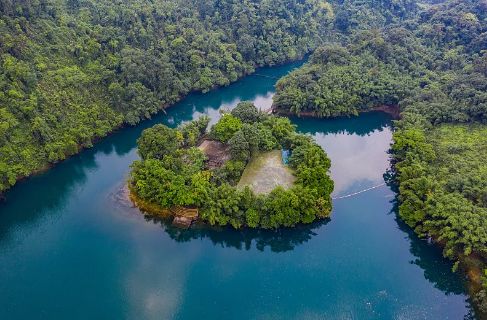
[247, 112]
[224, 129]
[158, 141]
[193, 130]
[239, 147]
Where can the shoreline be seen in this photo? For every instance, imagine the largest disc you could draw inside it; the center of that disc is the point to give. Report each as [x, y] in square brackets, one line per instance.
[146, 207]
[180, 217]
[472, 267]
[393, 111]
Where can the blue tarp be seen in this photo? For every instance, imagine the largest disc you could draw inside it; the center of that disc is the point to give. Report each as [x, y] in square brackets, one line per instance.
[285, 156]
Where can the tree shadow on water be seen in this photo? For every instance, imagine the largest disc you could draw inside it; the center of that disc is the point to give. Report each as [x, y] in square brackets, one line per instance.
[428, 255]
[361, 125]
[46, 193]
[436, 268]
[281, 240]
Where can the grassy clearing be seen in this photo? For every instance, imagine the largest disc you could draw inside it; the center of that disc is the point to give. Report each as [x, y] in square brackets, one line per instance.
[265, 171]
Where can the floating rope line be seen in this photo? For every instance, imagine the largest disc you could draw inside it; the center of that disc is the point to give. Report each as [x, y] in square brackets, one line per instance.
[265, 76]
[359, 192]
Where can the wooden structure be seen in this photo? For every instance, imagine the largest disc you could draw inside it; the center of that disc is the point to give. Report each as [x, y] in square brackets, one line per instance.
[184, 217]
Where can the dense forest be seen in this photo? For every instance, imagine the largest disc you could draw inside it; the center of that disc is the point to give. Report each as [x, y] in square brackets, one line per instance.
[72, 71]
[433, 63]
[442, 177]
[173, 172]
[433, 68]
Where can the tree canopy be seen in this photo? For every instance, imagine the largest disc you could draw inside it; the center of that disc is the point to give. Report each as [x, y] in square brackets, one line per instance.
[72, 71]
[433, 63]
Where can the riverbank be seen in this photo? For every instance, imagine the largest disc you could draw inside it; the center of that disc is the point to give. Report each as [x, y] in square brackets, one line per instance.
[393, 111]
[441, 175]
[148, 207]
[472, 266]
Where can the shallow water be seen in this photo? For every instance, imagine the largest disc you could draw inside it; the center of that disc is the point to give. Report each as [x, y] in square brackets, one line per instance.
[70, 248]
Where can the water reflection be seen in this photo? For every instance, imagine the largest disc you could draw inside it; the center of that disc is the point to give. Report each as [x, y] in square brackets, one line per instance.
[49, 192]
[254, 88]
[436, 269]
[428, 256]
[45, 194]
[357, 147]
[363, 125]
[281, 240]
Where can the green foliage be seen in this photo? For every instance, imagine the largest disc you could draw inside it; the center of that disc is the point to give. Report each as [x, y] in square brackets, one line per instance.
[347, 80]
[71, 72]
[192, 131]
[311, 165]
[181, 178]
[230, 172]
[239, 146]
[158, 141]
[431, 63]
[225, 128]
[247, 112]
[440, 142]
[352, 14]
[481, 296]
[282, 129]
[443, 190]
[258, 136]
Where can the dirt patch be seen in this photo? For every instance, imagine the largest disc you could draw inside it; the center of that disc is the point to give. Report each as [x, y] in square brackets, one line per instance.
[216, 152]
[265, 171]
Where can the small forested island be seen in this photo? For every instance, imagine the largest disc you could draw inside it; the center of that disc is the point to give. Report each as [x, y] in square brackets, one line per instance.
[251, 170]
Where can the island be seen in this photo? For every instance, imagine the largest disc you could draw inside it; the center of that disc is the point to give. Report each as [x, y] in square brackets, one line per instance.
[250, 170]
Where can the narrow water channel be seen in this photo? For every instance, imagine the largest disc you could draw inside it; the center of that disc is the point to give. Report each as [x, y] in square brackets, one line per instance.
[71, 248]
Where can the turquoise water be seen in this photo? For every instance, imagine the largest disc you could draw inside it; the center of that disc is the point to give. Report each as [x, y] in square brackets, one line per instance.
[71, 248]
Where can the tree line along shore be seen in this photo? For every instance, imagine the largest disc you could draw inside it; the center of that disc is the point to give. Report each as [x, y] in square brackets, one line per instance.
[433, 67]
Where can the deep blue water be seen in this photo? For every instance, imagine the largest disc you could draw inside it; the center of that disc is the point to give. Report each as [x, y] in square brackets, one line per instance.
[71, 249]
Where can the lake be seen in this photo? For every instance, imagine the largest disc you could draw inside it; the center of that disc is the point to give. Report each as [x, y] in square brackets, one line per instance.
[71, 247]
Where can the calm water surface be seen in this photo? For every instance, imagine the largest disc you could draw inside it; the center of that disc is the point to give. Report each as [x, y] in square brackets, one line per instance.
[71, 249]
